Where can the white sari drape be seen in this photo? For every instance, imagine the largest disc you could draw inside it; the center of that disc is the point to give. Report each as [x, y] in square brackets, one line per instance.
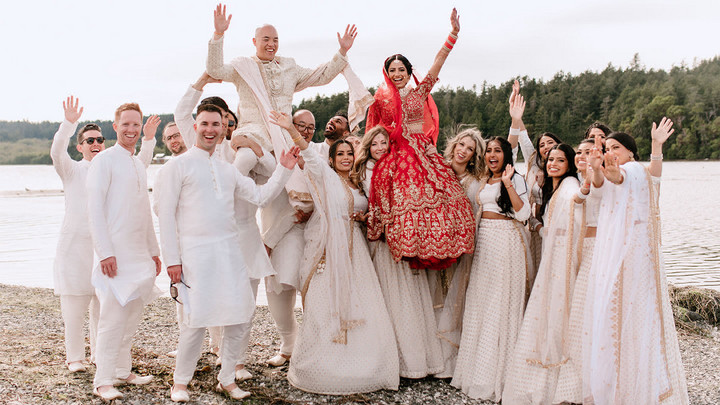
[630, 348]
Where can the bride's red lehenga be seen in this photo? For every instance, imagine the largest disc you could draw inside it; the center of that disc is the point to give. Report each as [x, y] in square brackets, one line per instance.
[415, 200]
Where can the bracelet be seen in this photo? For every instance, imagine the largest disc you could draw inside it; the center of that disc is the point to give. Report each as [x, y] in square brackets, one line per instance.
[656, 157]
[514, 131]
[510, 186]
[452, 38]
[219, 35]
[296, 138]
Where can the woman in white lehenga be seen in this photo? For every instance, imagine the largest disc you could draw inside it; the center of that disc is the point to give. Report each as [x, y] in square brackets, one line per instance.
[465, 154]
[630, 349]
[495, 296]
[406, 291]
[569, 384]
[533, 374]
[345, 344]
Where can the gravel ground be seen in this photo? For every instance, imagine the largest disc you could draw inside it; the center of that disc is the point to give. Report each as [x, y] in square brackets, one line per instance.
[32, 362]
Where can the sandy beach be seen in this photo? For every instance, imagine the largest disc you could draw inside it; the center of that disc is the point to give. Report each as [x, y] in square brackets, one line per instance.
[32, 367]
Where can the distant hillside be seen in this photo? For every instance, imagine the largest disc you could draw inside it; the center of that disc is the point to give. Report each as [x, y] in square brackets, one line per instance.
[627, 99]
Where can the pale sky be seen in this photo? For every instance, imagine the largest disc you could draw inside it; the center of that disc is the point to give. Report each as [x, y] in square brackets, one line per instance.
[111, 52]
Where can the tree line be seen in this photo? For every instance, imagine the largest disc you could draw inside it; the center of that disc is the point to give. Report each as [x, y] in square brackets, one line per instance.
[626, 99]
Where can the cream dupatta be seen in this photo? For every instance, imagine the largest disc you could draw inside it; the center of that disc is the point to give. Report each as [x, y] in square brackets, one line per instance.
[630, 348]
[296, 187]
[548, 309]
[329, 242]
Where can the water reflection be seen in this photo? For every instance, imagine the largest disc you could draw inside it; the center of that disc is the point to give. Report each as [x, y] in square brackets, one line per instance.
[30, 223]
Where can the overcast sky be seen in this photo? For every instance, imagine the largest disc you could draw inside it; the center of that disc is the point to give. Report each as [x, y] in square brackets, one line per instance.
[111, 52]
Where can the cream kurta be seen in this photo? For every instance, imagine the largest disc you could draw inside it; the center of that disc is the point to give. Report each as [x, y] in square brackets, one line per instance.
[121, 224]
[198, 231]
[282, 77]
[72, 269]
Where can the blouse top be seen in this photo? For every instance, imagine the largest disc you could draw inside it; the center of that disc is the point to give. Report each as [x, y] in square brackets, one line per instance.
[489, 194]
[360, 203]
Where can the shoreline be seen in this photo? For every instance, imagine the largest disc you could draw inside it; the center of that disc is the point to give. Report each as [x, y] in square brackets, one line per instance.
[32, 358]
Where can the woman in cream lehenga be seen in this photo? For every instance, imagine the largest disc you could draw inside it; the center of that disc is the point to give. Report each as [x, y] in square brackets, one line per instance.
[495, 297]
[569, 383]
[345, 344]
[630, 348]
[533, 373]
[465, 155]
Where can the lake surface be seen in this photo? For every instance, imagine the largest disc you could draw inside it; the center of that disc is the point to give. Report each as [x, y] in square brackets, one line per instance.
[32, 206]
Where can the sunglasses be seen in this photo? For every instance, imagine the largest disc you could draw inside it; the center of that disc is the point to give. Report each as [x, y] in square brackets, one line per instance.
[174, 291]
[100, 140]
[231, 123]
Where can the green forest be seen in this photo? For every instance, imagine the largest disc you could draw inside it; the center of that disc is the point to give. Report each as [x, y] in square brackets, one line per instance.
[626, 99]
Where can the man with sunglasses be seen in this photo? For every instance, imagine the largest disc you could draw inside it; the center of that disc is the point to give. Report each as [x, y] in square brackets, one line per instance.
[73, 261]
[200, 243]
[124, 240]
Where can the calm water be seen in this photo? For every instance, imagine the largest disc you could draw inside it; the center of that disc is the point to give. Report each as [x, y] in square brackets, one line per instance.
[31, 210]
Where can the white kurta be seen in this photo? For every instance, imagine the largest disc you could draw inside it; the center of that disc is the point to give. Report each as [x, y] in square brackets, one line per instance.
[198, 231]
[73, 260]
[121, 224]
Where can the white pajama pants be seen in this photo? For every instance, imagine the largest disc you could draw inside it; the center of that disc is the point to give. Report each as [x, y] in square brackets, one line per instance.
[190, 349]
[245, 342]
[216, 332]
[282, 309]
[73, 308]
[116, 327]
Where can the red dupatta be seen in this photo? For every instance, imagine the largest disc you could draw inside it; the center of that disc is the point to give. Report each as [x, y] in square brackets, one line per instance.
[387, 98]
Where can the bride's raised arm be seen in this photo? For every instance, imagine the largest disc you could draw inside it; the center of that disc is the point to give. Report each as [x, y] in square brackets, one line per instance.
[447, 46]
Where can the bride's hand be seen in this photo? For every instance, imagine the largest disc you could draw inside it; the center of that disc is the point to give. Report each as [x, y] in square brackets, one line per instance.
[455, 21]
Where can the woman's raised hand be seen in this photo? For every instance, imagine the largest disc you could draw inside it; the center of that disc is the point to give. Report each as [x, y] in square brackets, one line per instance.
[612, 168]
[596, 157]
[660, 133]
[517, 105]
[221, 21]
[281, 119]
[507, 175]
[455, 21]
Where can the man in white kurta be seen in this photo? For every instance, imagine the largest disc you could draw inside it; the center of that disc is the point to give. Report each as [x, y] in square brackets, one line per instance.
[200, 243]
[257, 165]
[124, 240]
[73, 261]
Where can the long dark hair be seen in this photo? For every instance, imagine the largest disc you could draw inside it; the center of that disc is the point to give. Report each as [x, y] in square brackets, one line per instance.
[539, 159]
[333, 153]
[503, 201]
[627, 141]
[547, 188]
